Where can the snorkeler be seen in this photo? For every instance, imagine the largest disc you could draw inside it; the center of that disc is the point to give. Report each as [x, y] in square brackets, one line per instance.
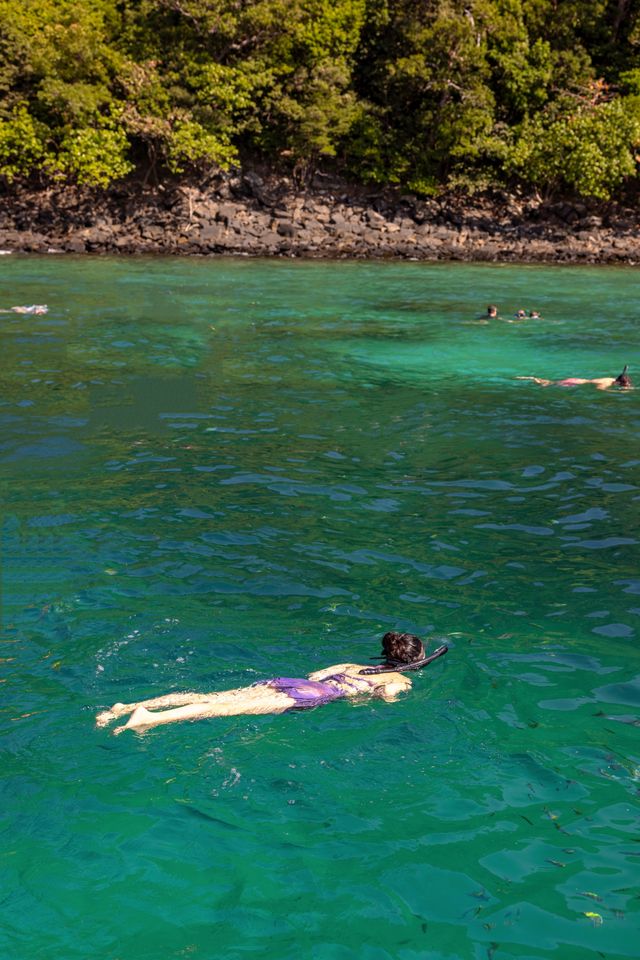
[33, 308]
[483, 318]
[400, 652]
[623, 380]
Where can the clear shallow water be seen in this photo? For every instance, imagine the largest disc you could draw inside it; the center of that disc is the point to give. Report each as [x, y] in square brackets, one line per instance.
[217, 472]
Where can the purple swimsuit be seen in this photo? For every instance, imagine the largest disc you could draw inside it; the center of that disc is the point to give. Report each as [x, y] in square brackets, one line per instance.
[571, 382]
[311, 693]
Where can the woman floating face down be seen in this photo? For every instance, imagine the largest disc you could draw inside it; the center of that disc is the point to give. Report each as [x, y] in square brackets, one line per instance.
[622, 381]
[400, 652]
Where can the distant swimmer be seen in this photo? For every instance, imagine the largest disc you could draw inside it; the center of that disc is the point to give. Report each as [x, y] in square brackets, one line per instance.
[482, 318]
[623, 381]
[520, 315]
[33, 308]
[400, 652]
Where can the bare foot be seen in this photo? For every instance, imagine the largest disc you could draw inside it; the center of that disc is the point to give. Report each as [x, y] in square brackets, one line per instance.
[139, 720]
[117, 710]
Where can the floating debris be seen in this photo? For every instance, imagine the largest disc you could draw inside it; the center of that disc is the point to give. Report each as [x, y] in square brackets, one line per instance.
[595, 918]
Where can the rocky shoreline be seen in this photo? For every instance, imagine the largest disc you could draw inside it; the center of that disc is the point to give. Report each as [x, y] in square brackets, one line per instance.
[253, 215]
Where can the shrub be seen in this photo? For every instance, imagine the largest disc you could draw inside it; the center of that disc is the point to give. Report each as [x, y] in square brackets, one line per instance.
[590, 150]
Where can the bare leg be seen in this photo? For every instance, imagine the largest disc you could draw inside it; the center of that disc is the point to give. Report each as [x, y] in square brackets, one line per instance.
[141, 718]
[168, 700]
[543, 383]
[251, 700]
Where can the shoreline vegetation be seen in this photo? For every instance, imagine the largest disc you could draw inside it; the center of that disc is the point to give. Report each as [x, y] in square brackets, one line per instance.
[430, 129]
[256, 214]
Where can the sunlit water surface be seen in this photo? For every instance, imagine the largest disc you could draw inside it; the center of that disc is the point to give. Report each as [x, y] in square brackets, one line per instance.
[215, 472]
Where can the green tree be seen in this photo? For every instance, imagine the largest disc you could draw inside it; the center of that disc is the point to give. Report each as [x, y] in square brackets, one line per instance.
[425, 77]
[421, 93]
[590, 151]
[22, 143]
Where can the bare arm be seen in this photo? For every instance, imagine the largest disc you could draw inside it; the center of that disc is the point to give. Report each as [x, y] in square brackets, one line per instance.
[336, 668]
[391, 688]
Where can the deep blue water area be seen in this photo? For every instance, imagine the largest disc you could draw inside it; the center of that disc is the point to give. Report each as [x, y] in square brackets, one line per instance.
[218, 471]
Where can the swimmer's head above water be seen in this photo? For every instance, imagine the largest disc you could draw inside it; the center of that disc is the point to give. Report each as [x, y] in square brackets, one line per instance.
[403, 651]
[402, 647]
[624, 380]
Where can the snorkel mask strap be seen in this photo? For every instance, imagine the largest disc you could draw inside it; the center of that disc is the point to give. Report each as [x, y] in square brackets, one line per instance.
[397, 666]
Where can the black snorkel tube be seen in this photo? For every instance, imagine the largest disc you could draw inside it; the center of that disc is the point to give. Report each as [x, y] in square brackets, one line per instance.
[399, 666]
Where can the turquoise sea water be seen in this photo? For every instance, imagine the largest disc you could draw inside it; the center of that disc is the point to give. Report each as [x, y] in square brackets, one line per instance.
[214, 472]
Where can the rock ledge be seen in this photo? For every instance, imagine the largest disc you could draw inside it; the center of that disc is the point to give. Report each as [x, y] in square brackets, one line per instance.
[261, 216]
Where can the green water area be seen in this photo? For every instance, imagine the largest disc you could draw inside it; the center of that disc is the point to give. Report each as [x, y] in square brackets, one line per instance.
[215, 472]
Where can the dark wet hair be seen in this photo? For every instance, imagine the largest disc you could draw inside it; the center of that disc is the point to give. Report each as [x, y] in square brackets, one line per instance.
[402, 647]
[624, 380]
[403, 651]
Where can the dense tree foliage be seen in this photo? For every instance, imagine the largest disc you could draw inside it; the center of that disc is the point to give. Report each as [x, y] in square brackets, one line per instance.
[420, 93]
